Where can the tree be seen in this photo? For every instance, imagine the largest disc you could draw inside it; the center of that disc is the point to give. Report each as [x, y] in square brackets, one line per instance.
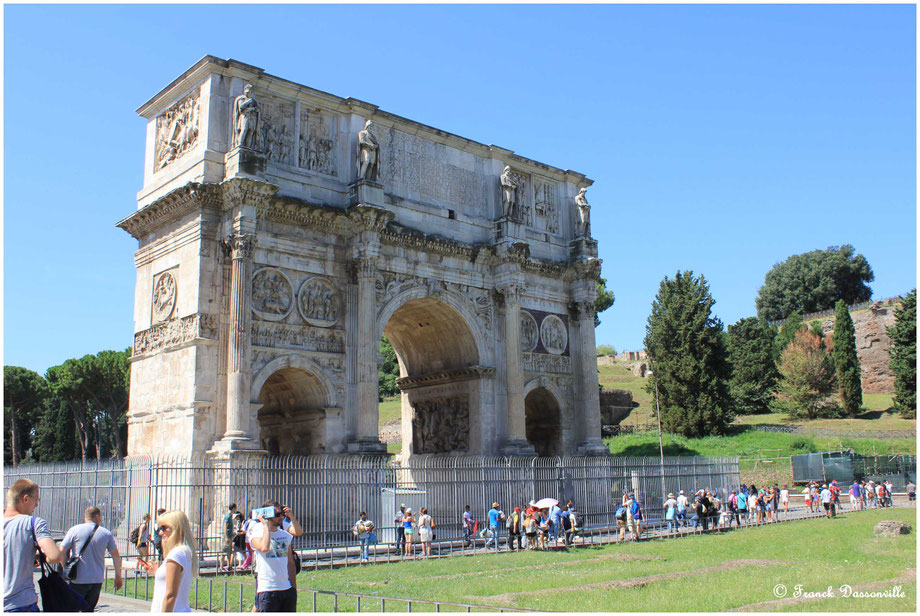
[56, 437]
[106, 386]
[814, 281]
[389, 370]
[67, 385]
[24, 395]
[686, 349]
[806, 377]
[846, 362]
[903, 356]
[788, 330]
[752, 357]
[603, 300]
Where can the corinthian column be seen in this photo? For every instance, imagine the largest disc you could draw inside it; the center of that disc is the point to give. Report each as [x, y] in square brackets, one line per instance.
[238, 435]
[366, 439]
[516, 438]
[589, 413]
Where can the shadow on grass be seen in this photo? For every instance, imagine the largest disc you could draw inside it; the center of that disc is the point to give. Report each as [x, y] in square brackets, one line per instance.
[651, 450]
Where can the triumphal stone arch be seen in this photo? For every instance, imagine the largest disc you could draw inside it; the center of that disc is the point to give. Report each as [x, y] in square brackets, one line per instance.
[283, 230]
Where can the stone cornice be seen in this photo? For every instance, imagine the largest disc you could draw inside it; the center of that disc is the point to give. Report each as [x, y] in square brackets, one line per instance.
[244, 191]
[444, 376]
[295, 212]
[551, 269]
[369, 217]
[397, 235]
[170, 207]
[589, 268]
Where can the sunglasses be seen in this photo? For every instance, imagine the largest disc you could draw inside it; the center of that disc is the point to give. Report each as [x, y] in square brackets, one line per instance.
[163, 527]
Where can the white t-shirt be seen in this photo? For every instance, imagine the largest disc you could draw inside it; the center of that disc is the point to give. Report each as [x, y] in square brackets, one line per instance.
[272, 566]
[825, 495]
[784, 496]
[182, 555]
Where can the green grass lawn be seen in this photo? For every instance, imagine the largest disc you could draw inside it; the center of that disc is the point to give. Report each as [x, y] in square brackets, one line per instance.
[877, 414]
[389, 410]
[697, 573]
[751, 443]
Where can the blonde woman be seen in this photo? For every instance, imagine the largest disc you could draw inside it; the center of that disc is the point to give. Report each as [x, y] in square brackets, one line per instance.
[173, 578]
[409, 526]
[425, 531]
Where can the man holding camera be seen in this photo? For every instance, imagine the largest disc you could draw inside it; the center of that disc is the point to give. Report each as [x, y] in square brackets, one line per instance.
[276, 589]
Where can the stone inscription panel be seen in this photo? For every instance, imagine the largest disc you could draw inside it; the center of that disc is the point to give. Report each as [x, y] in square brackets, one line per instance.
[542, 362]
[410, 163]
[441, 425]
[300, 338]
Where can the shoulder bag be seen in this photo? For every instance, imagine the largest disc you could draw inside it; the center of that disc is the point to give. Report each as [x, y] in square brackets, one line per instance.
[70, 567]
[57, 595]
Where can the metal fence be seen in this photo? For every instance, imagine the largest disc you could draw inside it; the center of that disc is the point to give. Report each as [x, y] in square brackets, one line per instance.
[326, 493]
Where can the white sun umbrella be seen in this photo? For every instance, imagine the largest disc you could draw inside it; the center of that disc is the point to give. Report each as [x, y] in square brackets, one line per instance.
[546, 503]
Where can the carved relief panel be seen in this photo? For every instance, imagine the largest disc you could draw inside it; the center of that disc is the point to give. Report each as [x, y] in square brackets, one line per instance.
[177, 130]
[318, 302]
[553, 334]
[528, 331]
[277, 130]
[441, 425]
[316, 150]
[545, 215]
[272, 294]
[164, 297]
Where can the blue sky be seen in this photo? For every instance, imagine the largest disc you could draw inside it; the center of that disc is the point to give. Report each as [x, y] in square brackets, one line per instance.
[721, 139]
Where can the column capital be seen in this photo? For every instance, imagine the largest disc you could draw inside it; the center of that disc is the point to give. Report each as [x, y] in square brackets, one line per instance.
[240, 245]
[582, 309]
[589, 268]
[510, 293]
[363, 267]
[370, 217]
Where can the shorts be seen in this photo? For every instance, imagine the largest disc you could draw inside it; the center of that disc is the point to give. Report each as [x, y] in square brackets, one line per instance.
[827, 506]
[276, 601]
[911, 496]
[228, 546]
[621, 523]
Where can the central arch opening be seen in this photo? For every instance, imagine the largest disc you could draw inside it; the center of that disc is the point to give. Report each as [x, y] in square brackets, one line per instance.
[291, 419]
[543, 422]
[433, 345]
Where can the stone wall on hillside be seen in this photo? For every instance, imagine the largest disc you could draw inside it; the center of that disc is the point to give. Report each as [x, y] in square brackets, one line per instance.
[872, 344]
[616, 405]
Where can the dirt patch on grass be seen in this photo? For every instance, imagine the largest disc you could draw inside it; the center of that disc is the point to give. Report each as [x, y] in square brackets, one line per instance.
[909, 576]
[618, 557]
[638, 582]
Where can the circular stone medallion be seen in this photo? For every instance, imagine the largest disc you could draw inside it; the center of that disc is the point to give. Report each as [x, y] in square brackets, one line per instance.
[272, 294]
[318, 302]
[164, 297]
[553, 334]
[528, 331]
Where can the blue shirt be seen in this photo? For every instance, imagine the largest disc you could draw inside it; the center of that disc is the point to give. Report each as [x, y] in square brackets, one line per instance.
[742, 501]
[494, 515]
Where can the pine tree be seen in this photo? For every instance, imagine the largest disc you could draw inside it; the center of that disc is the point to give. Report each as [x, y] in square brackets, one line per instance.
[787, 330]
[753, 364]
[903, 356]
[846, 362]
[686, 348]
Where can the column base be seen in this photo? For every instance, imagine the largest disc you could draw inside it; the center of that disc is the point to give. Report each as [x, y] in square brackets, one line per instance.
[366, 192]
[517, 447]
[234, 443]
[244, 162]
[367, 446]
[593, 447]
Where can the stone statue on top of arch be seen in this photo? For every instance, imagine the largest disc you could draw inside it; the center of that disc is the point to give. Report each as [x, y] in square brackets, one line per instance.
[368, 155]
[510, 199]
[247, 114]
[583, 220]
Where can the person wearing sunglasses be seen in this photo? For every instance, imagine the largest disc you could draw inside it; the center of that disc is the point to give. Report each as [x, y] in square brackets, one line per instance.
[276, 588]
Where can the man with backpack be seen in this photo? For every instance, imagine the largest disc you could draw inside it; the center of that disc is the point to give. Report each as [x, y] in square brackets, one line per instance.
[516, 529]
[89, 542]
[157, 539]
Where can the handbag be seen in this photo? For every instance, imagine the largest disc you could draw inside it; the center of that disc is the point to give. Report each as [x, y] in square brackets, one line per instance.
[70, 567]
[57, 595]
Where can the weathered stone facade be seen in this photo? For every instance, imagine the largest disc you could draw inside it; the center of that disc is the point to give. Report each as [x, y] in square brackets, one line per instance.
[872, 345]
[282, 231]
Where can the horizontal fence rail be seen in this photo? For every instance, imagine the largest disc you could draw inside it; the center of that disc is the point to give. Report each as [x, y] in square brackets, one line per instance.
[326, 493]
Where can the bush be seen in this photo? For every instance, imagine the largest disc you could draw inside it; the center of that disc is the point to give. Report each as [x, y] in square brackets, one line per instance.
[606, 349]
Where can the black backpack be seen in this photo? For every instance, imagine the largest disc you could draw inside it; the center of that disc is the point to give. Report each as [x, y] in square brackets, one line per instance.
[135, 535]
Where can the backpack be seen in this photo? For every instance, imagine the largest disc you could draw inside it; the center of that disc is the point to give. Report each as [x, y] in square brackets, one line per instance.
[135, 535]
[621, 513]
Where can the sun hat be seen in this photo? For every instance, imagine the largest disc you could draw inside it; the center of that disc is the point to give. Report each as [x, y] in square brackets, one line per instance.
[495, 504]
[402, 504]
[681, 492]
[670, 494]
[517, 508]
[408, 509]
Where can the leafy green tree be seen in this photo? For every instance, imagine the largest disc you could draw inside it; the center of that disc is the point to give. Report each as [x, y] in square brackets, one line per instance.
[67, 385]
[686, 349]
[903, 356]
[788, 330]
[814, 281]
[389, 370]
[605, 349]
[817, 329]
[603, 300]
[806, 377]
[752, 357]
[106, 386]
[24, 395]
[846, 362]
